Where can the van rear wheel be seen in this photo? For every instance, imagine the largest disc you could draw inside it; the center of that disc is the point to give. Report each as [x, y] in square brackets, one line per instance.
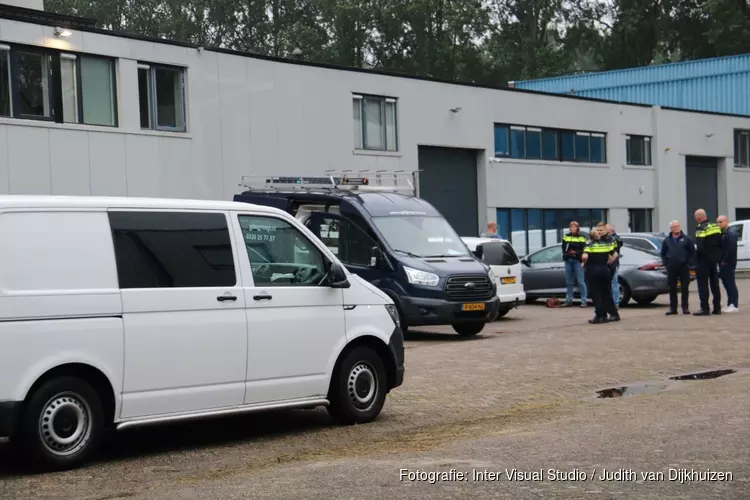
[358, 387]
[62, 424]
[468, 329]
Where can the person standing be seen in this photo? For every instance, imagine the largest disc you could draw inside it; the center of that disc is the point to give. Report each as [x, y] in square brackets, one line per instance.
[491, 231]
[728, 264]
[610, 236]
[708, 241]
[572, 248]
[597, 257]
[677, 250]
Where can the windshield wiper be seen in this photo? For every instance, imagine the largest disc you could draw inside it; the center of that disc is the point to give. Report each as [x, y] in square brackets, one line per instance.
[410, 254]
[445, 255]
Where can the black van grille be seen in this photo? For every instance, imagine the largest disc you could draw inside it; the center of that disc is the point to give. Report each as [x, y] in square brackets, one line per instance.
[468, 287]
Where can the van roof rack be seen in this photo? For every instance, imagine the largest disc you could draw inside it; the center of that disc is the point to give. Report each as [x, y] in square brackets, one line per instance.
[337, 182]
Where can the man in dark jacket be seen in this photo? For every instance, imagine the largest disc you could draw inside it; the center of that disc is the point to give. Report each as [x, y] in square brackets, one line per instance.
[708, 241]
[572, 249]
[614, 237]
[677, 251]
[728, 264]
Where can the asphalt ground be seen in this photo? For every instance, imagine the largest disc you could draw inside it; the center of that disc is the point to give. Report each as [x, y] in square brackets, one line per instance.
[519, 397]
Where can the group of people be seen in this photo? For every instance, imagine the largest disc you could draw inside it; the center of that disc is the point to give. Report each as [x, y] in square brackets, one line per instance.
[593, 263]
[714, 252]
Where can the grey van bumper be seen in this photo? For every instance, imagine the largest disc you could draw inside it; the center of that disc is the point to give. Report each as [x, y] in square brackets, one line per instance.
[419, 311]
[10, 412]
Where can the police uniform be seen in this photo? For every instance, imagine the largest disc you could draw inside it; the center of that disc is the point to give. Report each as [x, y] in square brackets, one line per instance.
[599, 276]
[708, 240]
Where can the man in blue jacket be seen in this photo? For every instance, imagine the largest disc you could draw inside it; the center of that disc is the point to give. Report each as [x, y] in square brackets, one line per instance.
[728, 264]
[677, 251]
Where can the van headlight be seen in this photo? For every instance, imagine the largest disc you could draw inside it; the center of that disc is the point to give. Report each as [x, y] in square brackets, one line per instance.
[417, 277]
[391, 308]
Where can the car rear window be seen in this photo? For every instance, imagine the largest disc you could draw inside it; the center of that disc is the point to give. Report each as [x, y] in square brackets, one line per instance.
[499, 253]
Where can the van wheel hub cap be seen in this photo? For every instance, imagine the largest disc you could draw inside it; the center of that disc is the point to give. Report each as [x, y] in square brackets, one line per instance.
[65, 424]
[362, 386]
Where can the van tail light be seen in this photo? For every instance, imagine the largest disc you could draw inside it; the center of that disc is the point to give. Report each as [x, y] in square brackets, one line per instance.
[652, 266]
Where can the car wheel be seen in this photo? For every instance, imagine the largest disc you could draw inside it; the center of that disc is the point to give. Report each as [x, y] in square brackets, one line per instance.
[645, 300]
[358, 388]
[468, 329]
[62, 424]
[624, 292]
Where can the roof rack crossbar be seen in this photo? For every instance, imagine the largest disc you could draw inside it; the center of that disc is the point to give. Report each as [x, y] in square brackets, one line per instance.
[344, 181]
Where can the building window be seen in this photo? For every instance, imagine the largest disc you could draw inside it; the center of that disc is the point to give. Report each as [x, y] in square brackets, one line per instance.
[375, 123]
[640, 220]
[41, 84]
[161, 96]
[172, 250]
[531, 229]
[742, 148]
[638, 150]
[534, 143]
[5, 86]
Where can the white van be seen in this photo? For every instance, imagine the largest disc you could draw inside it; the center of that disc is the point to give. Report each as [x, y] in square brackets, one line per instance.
[123, 312]
[742, 229]
[506, 267]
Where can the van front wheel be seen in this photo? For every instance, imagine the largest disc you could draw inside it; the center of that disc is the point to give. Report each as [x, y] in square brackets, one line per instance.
[358, 388]
[62, 424]
[468, 329]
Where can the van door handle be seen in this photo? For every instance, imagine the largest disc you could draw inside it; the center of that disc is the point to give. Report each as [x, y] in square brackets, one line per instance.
[262, 297]
[222, 298]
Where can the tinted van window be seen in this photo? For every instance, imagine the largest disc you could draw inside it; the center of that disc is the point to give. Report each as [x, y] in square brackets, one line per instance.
[172, 249]
[499, 254]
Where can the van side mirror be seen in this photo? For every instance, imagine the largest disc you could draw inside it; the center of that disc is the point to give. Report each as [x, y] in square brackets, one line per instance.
[337, 277]
[478, 253]
[376, 257]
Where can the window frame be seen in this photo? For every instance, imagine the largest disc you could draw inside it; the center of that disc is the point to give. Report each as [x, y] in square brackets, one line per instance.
[362, 146]
[325, 257]
[162, 211]
[506, 128]
[648, 217]
[741, 135]
[646, 149]
[153, 117]
[5, 48]
[55, 84]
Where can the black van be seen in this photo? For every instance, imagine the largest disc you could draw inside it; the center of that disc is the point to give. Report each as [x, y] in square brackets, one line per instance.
[396, 241]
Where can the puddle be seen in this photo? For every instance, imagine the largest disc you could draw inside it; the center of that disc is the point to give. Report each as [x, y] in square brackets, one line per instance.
[704, 375]
[630, 390]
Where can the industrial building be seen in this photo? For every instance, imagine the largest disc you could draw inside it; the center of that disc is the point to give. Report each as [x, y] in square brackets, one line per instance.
[717, 85]
[84, 111]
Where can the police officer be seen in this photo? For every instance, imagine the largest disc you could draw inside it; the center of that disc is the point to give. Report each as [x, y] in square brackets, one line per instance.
[572, 248]
[598, 255]
[708, 241]
[610, 236]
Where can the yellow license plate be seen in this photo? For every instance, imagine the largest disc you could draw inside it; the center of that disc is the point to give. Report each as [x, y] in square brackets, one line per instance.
[473, 307]
[508, 281]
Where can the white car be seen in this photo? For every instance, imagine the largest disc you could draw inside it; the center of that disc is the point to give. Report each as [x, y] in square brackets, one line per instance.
[501, 257]
[124, 312]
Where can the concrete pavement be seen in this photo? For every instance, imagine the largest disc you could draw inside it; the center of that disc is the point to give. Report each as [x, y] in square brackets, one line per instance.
[519, 396]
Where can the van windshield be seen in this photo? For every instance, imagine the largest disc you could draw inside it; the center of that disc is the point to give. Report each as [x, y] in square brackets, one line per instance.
[421, 236]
